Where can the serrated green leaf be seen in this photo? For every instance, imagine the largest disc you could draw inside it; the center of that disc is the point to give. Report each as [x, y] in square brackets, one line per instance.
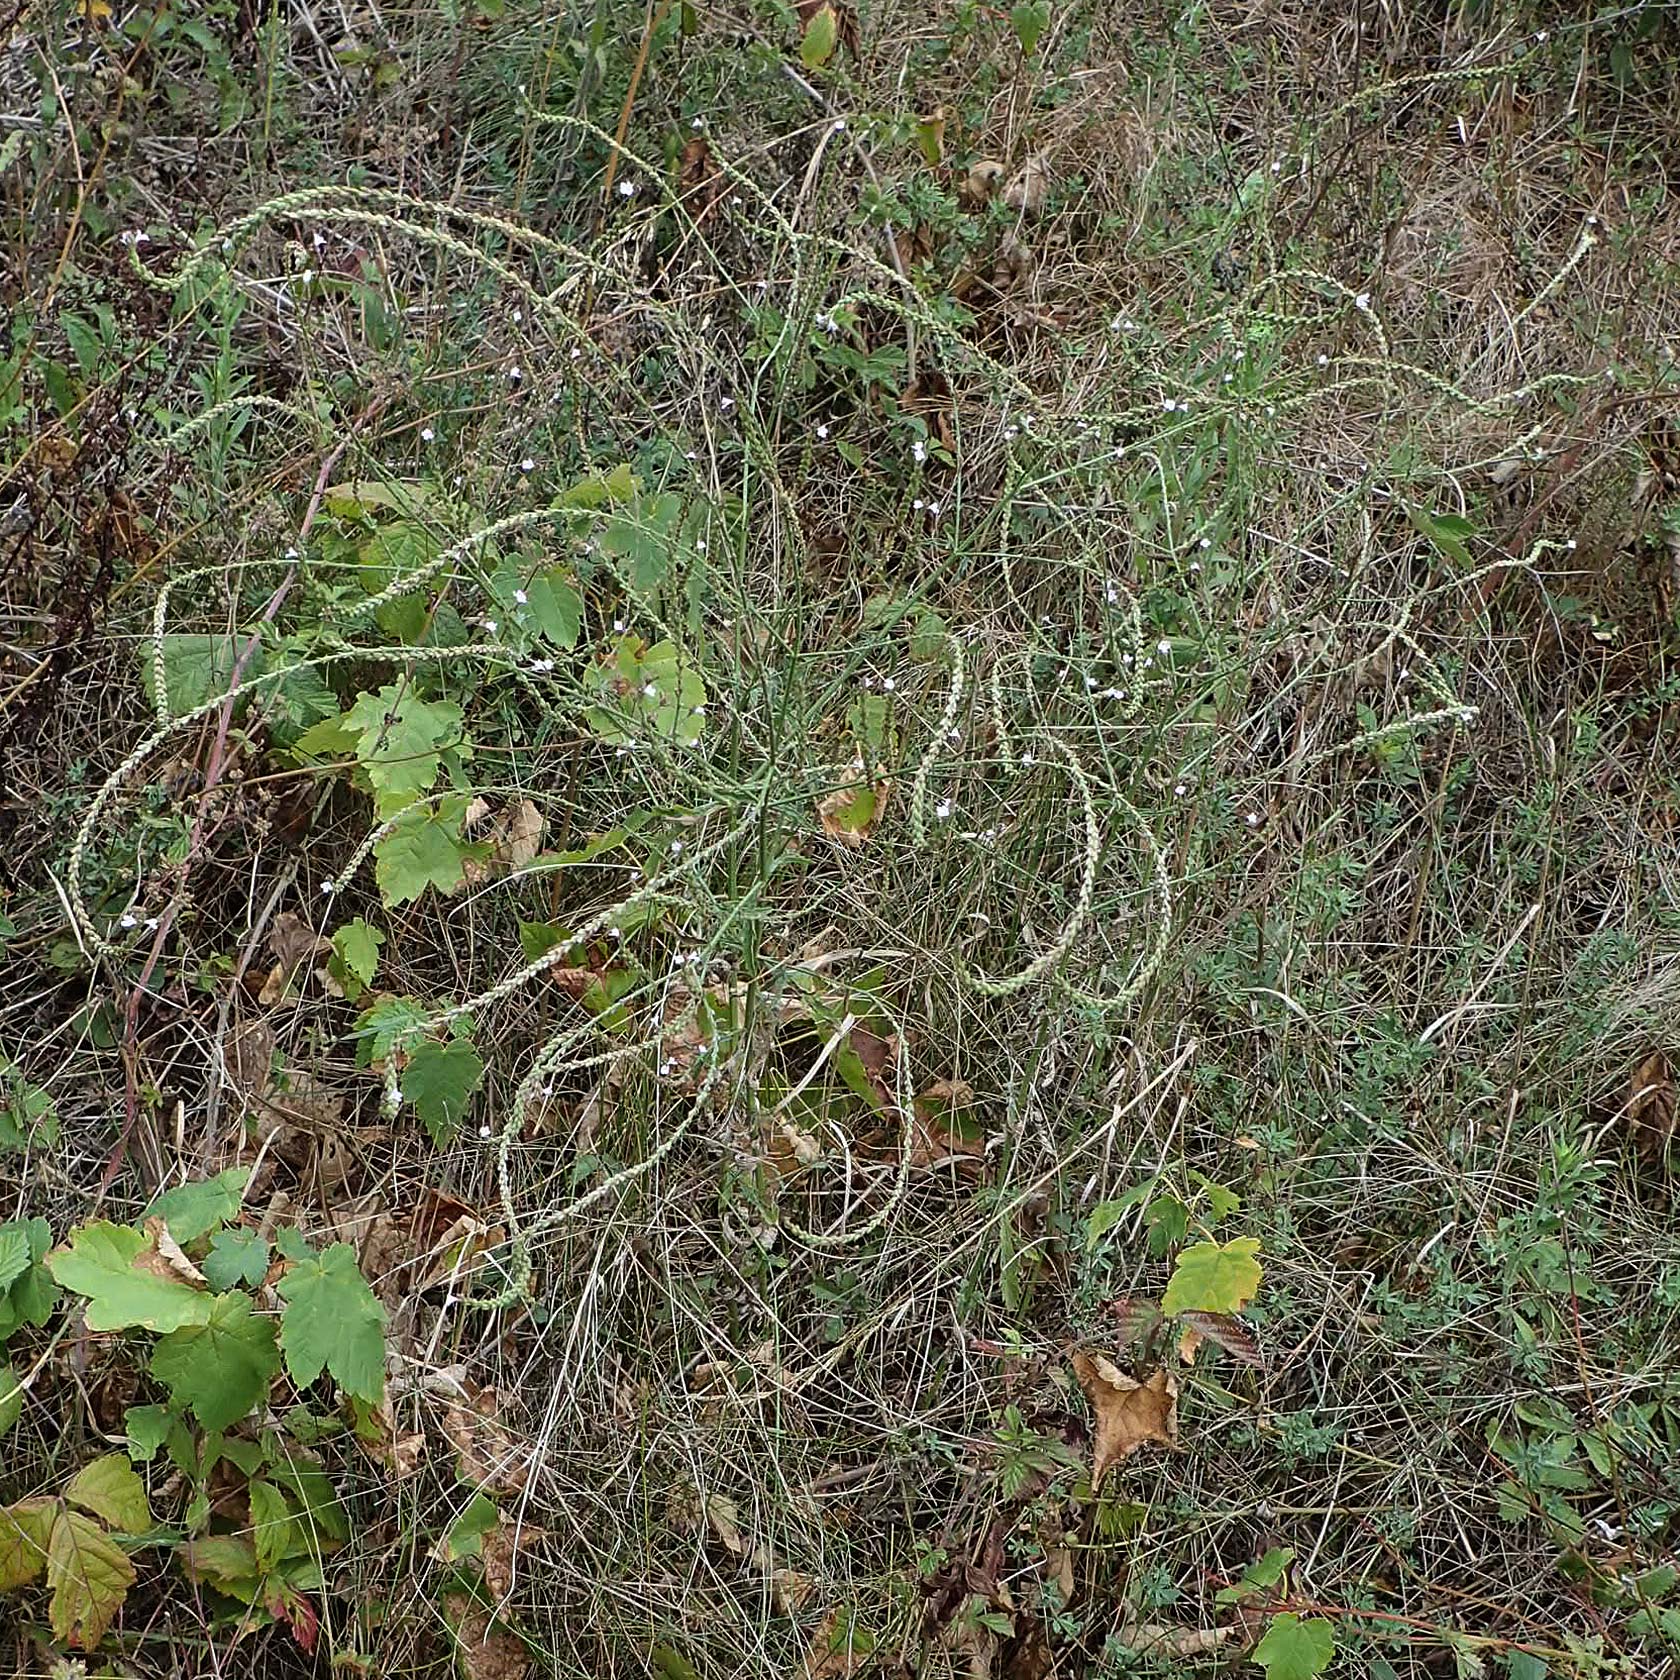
[1214, 1277]
[439, 1081]
[11, 1397]
[333, 1323]
[400, 740]
[109, 1488]
[147, 1428]
[236, 1256]
[320, 1515]
[227, 1562]
[1524, 1665]
[379, 1030]
[196, 667]
[101, 1263]
[928, 639]
[424, 849]
[394, 552]
[1260, 1577]
[89, 1576]
[193, 1210]
[219, 1370]
[821, 36]
[273, 1531]
[1294, 1649]
[648, 690]
[24, 1529]
[15, 1257]
[356, 946]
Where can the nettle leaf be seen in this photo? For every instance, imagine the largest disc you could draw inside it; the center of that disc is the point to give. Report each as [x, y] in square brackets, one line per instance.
[89, 1575]
[196, 667]
[334, 1323]
[424, 849]
[24, 1529]
[355, 958]
[1294, 1649]
[400, 741]
[194, 1210]
[128, 1285]
[219, 1370]
[439, 1081]
[1214, 1277]
[236, 1256]
[648, 690]
[109, 1488]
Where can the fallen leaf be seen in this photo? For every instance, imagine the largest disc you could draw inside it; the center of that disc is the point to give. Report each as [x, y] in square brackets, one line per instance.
[984, 177]
[1029, 186]
[376, 1431]
[487, 1454]
[500, 1551]
[170, 1252]
[699, 178]
[1128, 1413]
[1165, 1640]
[941, 1131]
[488, 1651]
[722, 1519]
[1223, 1331]
[292, 941]
[512, 839]
[851, 814]
[1651, 1104]
[839, 1648]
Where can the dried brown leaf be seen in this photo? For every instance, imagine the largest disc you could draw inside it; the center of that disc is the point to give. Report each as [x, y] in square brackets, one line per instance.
[838, 1649]
[1651, 1104]
[487, 1453]
[501, 1549]
[1165, 1640]
[513, 839]
[488, 1651]
[173, 1256]
[1029, 186]
[1128, 1414]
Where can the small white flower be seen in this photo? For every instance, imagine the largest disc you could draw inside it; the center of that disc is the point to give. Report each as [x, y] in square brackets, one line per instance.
[518, 316]
[839, 124]
[933, 509]
[1277, 165]
[484, 1131]
[307, 275]
[699, 545]
[527, 464]
[491, 625]
[1009, 431]
[828, 323]
[1114, 694]
[889, 684]
[317, 239]
[1540, 37]
[943, 809]
[1168, 404]
[726, 403]
[1271, 410]
[676, 848]
[515, 375]
[291, 554]
[1570, 545]
[1226, 378]
[1195, 565]
[650, 690]
[1090, 682]
[1180, 789]
[519, 596]
[1363, 301]
[615, 933]
[1323, 360]
[326, 888]
[919, 450]
[698, 711]
[127, 922]
[822, 431]
[916, 504]
[151, 924]
[618, 625]
[691, 455]
[427, 434]
[1163, 646]
[575, 354]
[1252, 819]
[698, 122]
[626, 189]
[1205, 544]
[868, 682]
[737, 201]
[1026, 758]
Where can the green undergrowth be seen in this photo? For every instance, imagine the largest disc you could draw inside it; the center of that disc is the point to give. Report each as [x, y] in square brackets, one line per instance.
[792, 906]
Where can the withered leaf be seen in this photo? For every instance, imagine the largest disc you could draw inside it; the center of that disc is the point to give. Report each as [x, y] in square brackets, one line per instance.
[488, 1651]
[1128, 1413]
[1223, 1331]
[513, 838]
[1651, 1105]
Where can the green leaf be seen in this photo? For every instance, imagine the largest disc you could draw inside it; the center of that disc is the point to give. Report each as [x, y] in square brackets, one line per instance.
[424, 849]
[1029, 21]
[541, 599]
[465, 1536]
[394, 552]
[15, 1255]
[440, 1080]
[101, 1263]
[400, 739]
[219, 1370]
[109, 1488]
[227, 1562]
[24, 1530]
[1260, 1577]
[1524, 1665]
[273, 1529]
[1446, 531]
[193, 1210]
[928, 639]
[236, 1256]
[648, 690]
[1106, 1215]
[304, 1479]
[89, 1576]
[1296, 1650]
[1214, 1277]
[196, 667]
[147, 1428]
[355, 957]
[11, 1397]
[333, 1323]
[822, 35]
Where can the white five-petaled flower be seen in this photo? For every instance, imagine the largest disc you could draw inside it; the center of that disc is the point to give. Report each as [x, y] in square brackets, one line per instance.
[889, 683]
[650, 690]
[491, 625]
[1163, 646]
[1323, 360]
[698, 122]
[518, 316]
[618, 625]
[484, 1131]
[127, 922]
[427, 434]
[1180, 789]
[1363, 301]
[515, 375]
[326, 888]
[1253, 819]
[626, 189]
[574, 354]
[1205, 544]
[822, 431]
[527, 464]
[942, 809]
[726, 403]
[519, 596]
[919, 450]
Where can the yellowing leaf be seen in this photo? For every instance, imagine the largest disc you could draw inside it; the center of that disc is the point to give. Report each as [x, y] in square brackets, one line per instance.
[24, 1528]
[822, 35]
[89, 1576]
[1128, 1413]
[1214, 1277]
[127, 1283]
[109, 1488]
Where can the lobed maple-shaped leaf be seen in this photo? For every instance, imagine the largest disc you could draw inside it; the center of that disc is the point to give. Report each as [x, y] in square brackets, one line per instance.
[333, 1322]
[424, 849]
[400, 741]
[1294, 1649]
[128, 1285]
[1212, 1277]
[89, 1575]
[356, 954]
[440, 1080]
[236, 1255]
[109, 1488]
[219, 1370]
[194, 1210]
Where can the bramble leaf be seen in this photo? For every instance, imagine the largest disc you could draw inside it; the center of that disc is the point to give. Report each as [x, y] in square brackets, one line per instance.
[196, 667]
[128, 1285]
[236, 1255]
[109, 1488]
[1296, 1650]
[193, 1210]
[219, 1370]
[28, 1298]
[440, 1080]
[24, 1529]
[1214, 1277]
[89, 1575]
[334, 1323]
